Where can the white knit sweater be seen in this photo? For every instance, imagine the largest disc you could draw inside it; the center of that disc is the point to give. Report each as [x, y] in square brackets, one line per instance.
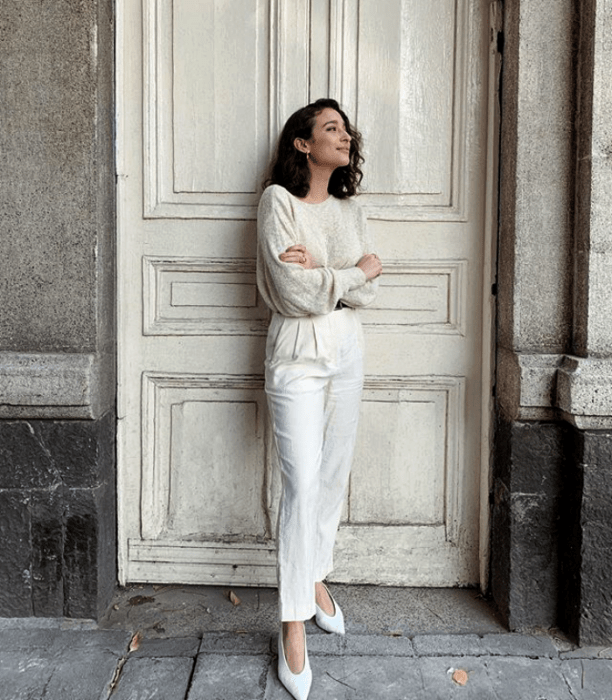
[335, 234]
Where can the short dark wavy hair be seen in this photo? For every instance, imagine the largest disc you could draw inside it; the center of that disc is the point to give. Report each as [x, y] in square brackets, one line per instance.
[289, 167]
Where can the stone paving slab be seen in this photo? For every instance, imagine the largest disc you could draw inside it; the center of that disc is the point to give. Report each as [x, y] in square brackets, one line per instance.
[588, 653]
[234, 643]
[589, 679]
[430, 678]
[56, 623]
[53, 641]
[350, 677]
[53, 664]
[56, 664]
[159, 648]
[486, 645]
[230, 677]
[78, 676]
[498, 678]
[358, 645]
[153, 679]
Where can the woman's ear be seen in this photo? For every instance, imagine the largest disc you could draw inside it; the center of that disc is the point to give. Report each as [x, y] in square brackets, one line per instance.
[300, 145]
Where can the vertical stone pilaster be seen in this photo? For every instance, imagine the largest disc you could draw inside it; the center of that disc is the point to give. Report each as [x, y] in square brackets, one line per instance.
[584, 384]
[57, 336]
[534, 304]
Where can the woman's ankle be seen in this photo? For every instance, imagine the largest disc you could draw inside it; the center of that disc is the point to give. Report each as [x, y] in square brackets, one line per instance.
[294, 638]
[324, 599]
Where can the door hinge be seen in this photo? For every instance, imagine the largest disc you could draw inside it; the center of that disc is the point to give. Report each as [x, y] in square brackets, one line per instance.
[494, 289]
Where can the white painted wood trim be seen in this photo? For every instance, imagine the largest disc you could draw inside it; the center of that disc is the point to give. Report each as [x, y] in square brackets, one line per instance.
[202, 563]
[120, 100]
[456, 271]
[154, 322]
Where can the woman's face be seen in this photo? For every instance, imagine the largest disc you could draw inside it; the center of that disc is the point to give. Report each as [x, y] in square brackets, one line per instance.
[329, 146]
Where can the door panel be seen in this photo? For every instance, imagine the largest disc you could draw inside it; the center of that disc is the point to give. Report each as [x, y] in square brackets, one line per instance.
[204, 88]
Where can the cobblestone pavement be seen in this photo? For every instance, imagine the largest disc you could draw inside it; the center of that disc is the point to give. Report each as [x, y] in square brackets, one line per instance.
[144, 655]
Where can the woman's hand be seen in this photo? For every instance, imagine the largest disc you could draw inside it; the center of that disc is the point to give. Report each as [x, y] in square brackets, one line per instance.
[371, 265]
[299, 255]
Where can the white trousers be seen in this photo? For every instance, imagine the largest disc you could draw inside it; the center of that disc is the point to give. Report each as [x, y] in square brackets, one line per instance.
[314, 379]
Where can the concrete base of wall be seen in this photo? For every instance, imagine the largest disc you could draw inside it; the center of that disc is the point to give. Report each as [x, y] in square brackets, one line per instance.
[525, 510]
[552, 529]
[585, 564]
[58, 514]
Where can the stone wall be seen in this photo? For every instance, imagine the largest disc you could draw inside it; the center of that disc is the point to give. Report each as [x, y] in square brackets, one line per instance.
[551, 496]
[551, 487]
[534, 304]
[57, 349]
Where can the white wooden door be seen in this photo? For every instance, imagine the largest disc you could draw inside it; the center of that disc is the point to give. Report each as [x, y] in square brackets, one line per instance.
[204, 87]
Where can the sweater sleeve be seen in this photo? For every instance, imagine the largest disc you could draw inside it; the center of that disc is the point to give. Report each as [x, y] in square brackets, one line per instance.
[288, 288]
[366, 293]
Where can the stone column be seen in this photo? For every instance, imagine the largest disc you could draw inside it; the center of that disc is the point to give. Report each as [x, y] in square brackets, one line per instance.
[534, 304]
[584, 387]
[57, 349]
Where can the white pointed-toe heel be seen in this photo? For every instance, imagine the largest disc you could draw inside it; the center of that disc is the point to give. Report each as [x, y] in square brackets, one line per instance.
[298, 684]
[330, 623]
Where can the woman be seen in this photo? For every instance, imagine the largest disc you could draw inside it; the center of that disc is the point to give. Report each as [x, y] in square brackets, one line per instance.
[314, 268]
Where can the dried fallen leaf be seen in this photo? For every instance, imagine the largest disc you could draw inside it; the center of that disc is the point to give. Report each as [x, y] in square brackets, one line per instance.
[234, 599]
[140, 599]
[135, 642]
[460, 677]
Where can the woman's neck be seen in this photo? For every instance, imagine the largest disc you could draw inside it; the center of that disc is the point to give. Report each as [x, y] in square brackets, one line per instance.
[319, 181]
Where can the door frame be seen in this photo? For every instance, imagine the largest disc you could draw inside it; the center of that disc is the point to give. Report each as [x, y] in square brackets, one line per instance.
[489, 278]
[489, 347]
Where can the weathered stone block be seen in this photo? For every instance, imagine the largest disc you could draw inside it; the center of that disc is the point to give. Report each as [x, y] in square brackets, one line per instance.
[24, 460]
[82, 451]
[586, 570]
[526, 502]
[47, 454]
[15, 575]
[536, 451]
[81, 553]
[58, 532]
[47, 555]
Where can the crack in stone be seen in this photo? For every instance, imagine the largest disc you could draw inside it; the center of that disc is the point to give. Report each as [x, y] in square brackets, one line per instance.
[119, 667]
[327, 673]
[191, 676]
[44, 690]
[569, 689]
[47, 452]
[486, 668]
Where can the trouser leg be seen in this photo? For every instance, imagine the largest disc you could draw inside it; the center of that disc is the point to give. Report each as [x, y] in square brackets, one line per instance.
[343, 398]
[298, 419]
[313, 382]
